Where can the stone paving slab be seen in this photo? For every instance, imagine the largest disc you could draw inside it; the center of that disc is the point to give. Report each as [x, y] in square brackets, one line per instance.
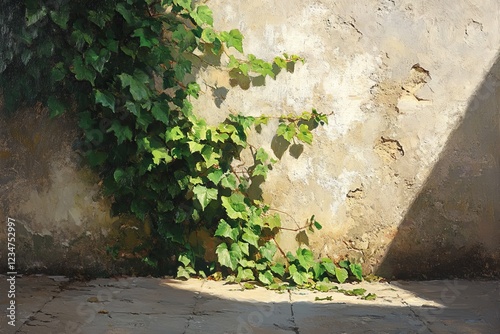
[152, 305]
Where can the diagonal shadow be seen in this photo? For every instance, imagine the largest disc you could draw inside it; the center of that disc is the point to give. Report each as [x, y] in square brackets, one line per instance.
[452, 228]
[136, 305]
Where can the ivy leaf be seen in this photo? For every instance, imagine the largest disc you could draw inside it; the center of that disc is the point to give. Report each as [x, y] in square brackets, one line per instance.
[266, 277]
[245, 274]
[160, 112]
[80, 37]
[261, 155]
[126, 14]
[317, 225]
[182, 67]
[121, 176]
[211, 157]
[204, 195]
[145, 41]
[290, 257]
[82, 72]
[233, 38]
[99, 18]
[216, 176]
[139, 208]
[208, 35]
[58, 72]
[97, 60]
[136, 84]
[244, 68]
[225, 230]
[370, 296]
[246, 263]
[227, 258]
[193, 89]
[202, 15]
[106, 99]
[56, 107]
[268, 250]
[195, 146]
[278, 268]
[185, 38]
[186, 4]
[306, 258]
[161, 154]
[298, 277]
[318, 270]
[305, 134]
[260, 170]
[287, 131]
[174, 134]
[233, 62]
[244, 247]
[230, 182]
[280, 62]
[251, 237]
[122, 132]
[356, 270]
[341, 274]
[234, 205]
[185, 272]
[273, 221]
[329, 266]
[60, 17]
[110, 44]
[199, 130]
[344, 264]
[260, 66]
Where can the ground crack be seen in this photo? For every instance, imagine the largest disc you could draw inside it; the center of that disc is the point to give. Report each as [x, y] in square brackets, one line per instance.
[424, 325]
[295, 328]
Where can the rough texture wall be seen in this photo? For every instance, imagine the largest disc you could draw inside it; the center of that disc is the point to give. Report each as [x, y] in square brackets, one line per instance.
[62, 224]
[400, 77]
[405, 177]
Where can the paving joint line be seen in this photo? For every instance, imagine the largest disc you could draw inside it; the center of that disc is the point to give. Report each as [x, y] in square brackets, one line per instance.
[197, 296]
[295, 328]
[404, 302]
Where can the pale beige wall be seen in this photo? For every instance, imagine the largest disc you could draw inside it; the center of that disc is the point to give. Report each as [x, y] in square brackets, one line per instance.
[399, 77]
[399, 173]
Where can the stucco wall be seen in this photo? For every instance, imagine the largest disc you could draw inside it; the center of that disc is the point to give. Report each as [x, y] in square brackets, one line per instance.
[405, 177]
[410, 139]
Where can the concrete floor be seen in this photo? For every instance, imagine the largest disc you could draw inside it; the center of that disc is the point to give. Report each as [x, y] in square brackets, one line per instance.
[152, 305]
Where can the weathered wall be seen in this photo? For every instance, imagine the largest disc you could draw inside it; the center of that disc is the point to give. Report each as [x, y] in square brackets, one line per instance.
[400, 77]
[407, 168]
[62, 224]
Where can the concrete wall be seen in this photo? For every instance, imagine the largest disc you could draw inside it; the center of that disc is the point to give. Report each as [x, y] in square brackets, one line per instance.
[405, 177]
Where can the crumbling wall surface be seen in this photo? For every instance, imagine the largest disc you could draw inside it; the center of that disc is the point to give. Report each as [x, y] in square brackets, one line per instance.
[62, 223]
[46, 195]
[400, 78]
[405, 177]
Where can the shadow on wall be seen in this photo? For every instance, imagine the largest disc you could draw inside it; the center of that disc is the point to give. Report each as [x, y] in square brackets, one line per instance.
[453, 226]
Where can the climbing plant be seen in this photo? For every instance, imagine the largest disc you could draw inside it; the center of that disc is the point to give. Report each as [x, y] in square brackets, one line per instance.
[125, 67]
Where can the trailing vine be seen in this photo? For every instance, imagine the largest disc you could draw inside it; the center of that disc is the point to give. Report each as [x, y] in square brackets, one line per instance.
[124, 67]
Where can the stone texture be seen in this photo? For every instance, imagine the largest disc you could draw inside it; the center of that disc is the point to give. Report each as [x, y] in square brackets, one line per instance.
[405, 176]
[152, 305]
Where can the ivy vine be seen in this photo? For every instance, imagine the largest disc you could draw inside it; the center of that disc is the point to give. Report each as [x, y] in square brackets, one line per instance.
[124, 67]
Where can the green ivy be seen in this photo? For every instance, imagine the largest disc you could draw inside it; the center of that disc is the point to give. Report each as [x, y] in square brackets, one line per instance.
[123, 67]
